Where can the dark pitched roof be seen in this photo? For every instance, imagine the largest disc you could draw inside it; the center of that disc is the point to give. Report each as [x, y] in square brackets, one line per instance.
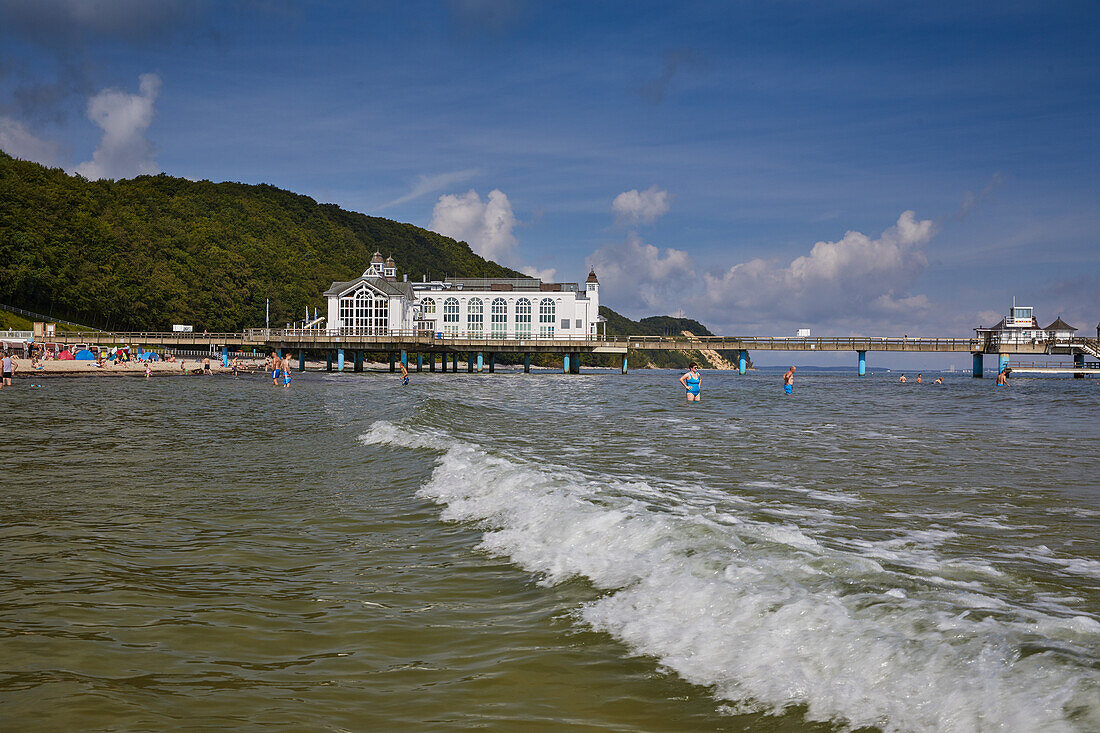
[1060, 325]
[592, 277]
[388, 287]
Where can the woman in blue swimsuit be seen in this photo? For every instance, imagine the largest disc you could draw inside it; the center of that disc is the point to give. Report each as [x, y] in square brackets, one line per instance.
[691, 382]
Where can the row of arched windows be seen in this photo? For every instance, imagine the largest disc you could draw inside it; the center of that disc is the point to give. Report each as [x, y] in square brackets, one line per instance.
[498, 316]
[364, 312]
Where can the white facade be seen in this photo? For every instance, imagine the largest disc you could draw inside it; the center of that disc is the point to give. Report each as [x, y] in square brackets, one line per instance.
[465, 308]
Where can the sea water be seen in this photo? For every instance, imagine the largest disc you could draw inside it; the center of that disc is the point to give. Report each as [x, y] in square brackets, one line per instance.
[550, 552]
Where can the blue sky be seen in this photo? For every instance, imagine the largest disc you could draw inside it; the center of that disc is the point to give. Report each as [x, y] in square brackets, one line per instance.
[747, 132]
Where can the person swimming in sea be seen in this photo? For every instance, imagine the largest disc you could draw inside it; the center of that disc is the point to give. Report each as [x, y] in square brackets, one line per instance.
[691, 382]
[788, 381]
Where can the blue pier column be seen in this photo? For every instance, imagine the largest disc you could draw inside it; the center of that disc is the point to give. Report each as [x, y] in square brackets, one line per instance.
[624, 363]
[577, 363]
[565, 364]
[339, 360]
[419, 362]
[225, 356]
[431, 362]
[480, 362]
[1002, 363]
[862, 363]
[301, 360]
[742, 361]
[405, 358]
[978, 366]
[526, 363]
[469, 363]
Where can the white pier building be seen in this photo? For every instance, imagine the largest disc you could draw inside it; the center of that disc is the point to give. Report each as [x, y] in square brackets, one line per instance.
[377, 303]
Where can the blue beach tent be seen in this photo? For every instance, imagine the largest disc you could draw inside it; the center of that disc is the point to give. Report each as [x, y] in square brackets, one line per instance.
[84, 355]
[149, 356]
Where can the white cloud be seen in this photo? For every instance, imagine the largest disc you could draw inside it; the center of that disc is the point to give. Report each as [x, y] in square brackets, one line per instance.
[19, 142]
[855, 278]
[485, 225]
[641, 279]
[124, 150]
[430, 184]
[640, 207]
[547, 275]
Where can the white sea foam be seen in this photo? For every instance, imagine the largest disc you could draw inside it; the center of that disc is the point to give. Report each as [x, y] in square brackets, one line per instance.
[766, 614]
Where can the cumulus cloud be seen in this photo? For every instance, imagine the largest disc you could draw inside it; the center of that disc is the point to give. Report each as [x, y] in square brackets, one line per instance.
[640, 207]
[547, 275]
[855, 276]
[124, 151]
[430, 184]
[19, 142]
[641, 278]
[485, 225]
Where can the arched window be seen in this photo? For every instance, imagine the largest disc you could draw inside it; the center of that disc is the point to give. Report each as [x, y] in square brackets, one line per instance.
[364, 312]
[450, 315]
[499, 316]
[523, 318]
[547, 313]
[475, 318]
[426, 322]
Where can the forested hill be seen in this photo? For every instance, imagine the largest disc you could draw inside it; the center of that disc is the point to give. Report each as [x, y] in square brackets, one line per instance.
[141, 254]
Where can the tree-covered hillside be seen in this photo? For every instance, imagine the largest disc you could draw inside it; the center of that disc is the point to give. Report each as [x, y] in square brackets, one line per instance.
[141, 254]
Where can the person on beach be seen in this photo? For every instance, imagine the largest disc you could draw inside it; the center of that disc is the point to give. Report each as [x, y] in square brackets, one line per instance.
[8, 369]
[404, 373]
[788, 381]
[206, 365]
[691, 382]
[903, 380]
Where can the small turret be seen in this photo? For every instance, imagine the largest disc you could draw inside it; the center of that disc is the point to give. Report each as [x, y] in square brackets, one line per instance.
[592, 278]
[377, 258]
[390, 270]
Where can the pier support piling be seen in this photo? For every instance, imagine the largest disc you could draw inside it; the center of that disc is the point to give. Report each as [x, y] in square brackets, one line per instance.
[1078, 363]
[526, 363]
[492, 363]
[328, 361]
[978, 365]
[339, 360]
[357, 359]
[862, 363]
[469, 363]
[454, 363]
[624, 363]
[742, 361]
[1002, 363]
[301, 360]
[405, 359]
[393, 362]
[480, 362]
[419, 362]
[576, 364]
[565, 364]
[225, 356]
[431, 362]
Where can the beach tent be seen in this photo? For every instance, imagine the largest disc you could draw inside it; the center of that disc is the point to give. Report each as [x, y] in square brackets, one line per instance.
[84, 355]
[149, 356]
[65, 355]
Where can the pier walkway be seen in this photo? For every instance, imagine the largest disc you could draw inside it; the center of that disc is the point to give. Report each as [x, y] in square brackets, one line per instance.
[484, 348]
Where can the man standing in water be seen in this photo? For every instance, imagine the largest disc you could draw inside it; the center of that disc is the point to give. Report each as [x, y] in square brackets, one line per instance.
[9, 367]
[276, 368]
[788, 381]
[1002, 378]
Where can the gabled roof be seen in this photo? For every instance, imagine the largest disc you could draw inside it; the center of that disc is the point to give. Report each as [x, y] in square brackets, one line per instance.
[1060, 325]
[387, 287]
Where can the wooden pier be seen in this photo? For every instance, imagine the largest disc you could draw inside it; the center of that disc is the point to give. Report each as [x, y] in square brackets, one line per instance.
[484, 348]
